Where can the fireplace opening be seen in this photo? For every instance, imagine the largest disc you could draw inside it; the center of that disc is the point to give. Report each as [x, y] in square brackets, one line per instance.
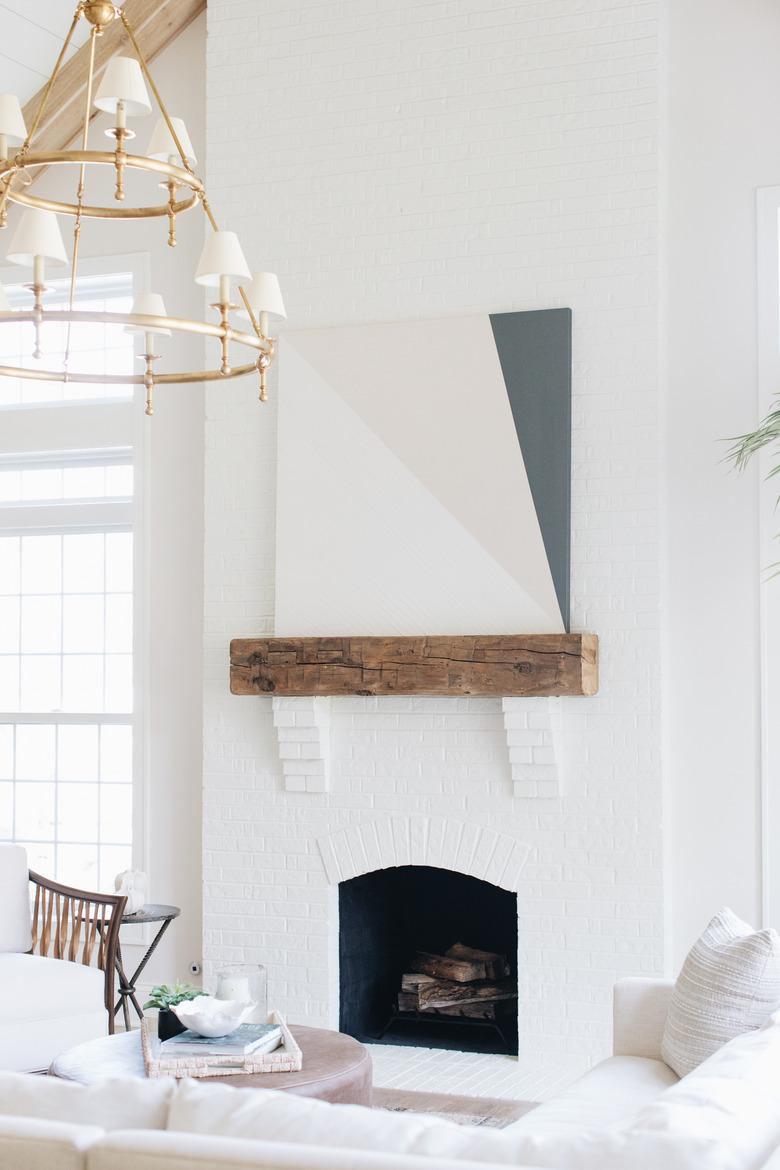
[428, 957]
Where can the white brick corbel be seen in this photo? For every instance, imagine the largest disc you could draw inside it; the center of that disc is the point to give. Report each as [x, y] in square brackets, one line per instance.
[532, 728]
[303, 735]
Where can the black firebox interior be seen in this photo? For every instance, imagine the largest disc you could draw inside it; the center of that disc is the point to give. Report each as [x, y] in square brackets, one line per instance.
[387, 915]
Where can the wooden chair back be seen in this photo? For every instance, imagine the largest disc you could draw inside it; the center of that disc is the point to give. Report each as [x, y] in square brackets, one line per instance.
[78, 926]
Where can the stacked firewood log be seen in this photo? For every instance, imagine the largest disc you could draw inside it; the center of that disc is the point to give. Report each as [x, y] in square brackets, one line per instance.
[462, 982]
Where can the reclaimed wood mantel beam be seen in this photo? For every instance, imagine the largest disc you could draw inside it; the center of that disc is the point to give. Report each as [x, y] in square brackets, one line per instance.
[531, 665]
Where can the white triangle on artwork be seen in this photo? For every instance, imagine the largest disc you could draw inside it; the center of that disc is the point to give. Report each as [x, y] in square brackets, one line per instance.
[363, 546]
[434, 393]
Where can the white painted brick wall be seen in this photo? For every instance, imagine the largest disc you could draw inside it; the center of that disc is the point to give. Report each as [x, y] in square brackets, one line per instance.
[400, 159]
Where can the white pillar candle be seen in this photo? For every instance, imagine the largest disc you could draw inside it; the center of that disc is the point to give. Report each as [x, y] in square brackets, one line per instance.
[234, 987]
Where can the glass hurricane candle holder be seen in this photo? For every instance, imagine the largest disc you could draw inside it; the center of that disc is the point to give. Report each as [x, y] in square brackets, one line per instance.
[247, 983]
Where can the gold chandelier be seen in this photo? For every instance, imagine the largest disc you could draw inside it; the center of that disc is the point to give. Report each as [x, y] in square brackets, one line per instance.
[169, 158]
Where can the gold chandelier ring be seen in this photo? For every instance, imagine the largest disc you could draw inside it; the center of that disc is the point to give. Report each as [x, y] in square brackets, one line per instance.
[183, 378]
[139, 162]
[145, 323]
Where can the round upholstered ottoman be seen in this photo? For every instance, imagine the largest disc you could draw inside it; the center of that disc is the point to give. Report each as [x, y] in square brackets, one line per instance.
[336, 1068]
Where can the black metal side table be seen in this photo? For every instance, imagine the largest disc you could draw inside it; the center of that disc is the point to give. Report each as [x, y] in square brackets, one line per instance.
[127, 984]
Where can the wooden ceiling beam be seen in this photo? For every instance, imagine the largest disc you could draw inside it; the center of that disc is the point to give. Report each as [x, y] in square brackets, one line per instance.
[156, 23]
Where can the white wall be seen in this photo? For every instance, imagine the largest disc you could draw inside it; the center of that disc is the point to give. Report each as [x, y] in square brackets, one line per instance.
[398, 161]
[724, 91]
[174, 521]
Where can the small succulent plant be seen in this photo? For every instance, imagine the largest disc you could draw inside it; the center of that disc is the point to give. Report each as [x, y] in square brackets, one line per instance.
[164, 996]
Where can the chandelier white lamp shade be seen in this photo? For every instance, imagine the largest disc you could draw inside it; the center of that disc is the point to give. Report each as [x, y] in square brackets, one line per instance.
[163, 147]
[222, 257]
[148, 305]
[265, 298]
[265, 295]
[123, 92]
[12, 127]
[37, 237]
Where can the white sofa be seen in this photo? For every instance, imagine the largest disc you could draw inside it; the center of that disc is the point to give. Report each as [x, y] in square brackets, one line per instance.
[61, 996]
[628, 1113]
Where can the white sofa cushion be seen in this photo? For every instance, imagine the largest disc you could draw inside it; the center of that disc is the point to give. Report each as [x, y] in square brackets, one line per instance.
[184, 1151]
[15, 931]
[34, 988]
[611, 1092]
[282, 1117]
[729, 984]
[31, 1144]
[113, 1104]
[724, 1116]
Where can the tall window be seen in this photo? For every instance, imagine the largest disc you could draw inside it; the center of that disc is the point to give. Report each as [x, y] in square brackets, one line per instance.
[67, 520]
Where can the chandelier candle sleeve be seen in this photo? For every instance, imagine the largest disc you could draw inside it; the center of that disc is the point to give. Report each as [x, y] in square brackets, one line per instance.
[126, 90]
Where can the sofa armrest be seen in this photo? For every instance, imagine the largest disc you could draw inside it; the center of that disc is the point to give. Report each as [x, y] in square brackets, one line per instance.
[639, 1008]
[56, 1145]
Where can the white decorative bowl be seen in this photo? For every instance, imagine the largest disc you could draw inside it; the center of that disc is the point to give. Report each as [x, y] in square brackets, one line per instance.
[212, 1017]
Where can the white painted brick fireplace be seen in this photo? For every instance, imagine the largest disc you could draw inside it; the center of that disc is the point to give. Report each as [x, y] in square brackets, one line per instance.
[502, 159]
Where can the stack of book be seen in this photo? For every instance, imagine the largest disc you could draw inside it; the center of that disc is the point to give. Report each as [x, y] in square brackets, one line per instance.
[248, 1039]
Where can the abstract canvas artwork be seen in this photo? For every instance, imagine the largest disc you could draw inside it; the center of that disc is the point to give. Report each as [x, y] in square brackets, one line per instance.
[424, 477]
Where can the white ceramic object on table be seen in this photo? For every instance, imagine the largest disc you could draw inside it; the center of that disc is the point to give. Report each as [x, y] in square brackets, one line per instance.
[212, 1017]
[133, 884]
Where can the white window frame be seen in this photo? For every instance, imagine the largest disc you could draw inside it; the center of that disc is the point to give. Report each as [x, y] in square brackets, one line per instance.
[98, 424]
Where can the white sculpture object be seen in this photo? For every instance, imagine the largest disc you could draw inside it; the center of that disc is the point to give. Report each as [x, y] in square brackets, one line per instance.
[212, 1017]
[133, 884]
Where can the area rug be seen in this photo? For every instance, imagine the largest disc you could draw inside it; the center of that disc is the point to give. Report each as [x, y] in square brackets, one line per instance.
[492, 1112]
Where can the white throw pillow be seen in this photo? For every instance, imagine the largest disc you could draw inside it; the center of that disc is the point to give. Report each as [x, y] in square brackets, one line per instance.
[128, 1103]
[729, 984]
